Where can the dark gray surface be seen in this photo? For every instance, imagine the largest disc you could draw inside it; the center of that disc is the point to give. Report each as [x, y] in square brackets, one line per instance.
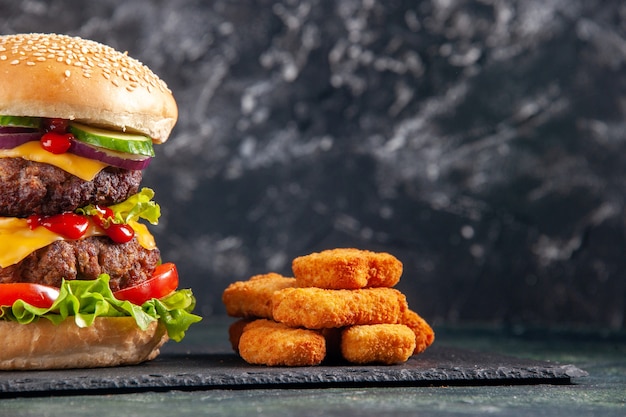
[482, 142]
[601, 393]
[437, 366]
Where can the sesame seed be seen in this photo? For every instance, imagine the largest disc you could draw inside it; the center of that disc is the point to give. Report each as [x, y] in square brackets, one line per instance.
[91, 57]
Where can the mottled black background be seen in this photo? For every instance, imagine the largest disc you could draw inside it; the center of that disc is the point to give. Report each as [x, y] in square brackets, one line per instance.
[481, 142]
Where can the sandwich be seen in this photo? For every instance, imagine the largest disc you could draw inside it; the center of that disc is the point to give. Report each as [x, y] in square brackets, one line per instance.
[82, 282]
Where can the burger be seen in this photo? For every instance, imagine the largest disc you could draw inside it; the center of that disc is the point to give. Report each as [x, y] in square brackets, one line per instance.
[82, 282]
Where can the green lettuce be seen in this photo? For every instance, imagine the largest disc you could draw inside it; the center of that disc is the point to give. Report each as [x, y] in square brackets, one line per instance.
[138, 206]
[84, 300]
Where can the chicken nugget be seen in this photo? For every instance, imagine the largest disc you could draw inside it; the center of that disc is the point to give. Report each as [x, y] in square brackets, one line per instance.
[266, 342]
[377, 343]
[253, 298]
[317, 308]
[234, 332]
[424, 334]
[347, 268]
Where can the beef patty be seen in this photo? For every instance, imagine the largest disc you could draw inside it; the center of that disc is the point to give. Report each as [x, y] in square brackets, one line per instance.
[127, 264]
[28, 188]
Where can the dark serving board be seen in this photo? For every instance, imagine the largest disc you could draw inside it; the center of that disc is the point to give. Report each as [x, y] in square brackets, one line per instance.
[439, 365]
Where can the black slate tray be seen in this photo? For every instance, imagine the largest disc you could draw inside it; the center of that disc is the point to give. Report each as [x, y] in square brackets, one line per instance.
[439, 365]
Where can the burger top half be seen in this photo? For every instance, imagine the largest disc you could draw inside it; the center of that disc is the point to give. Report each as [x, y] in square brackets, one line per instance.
[78, 121]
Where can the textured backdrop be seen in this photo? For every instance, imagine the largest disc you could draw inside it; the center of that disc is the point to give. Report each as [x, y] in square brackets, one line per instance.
[481, 142]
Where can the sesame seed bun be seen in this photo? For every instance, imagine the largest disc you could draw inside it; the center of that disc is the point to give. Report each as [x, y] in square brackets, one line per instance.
[57, 76]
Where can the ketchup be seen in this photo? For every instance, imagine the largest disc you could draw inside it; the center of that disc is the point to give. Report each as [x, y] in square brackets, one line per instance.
[56, 140]
[74, 226]
[119, 233]
[56, 125]
[70, 225]
[56, 143]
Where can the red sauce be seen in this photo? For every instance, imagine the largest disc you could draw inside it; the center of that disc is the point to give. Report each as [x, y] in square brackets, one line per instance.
[74, 226]
[56, 143]
[119, 233]
[56, 125]
[70, 225]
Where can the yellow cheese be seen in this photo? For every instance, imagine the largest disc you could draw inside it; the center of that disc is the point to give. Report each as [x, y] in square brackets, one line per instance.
[144, 237]
[17, 240]
[84, 168]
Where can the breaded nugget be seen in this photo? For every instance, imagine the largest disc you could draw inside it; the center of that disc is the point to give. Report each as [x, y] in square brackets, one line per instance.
[253, 298]
[234, 332]
[347, 268]
[377, 343]
[424, 334]
[317, 308]
[266, 342]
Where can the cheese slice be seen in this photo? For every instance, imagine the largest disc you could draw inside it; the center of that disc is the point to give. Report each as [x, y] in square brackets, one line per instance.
[17, 240]
[84, 168]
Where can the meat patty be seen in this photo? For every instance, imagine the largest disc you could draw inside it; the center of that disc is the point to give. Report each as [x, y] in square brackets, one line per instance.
[28, 187]
[127, 264]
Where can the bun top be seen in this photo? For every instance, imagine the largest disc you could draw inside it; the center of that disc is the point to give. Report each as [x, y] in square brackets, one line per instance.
[48, 75]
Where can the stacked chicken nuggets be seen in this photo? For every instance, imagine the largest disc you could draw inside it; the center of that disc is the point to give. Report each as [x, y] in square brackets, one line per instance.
[340, 303]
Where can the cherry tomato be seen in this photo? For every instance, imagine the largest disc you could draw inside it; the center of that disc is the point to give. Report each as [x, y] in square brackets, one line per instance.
[37, 295]
[70, 225]
[164, 281]
[56, 143]
[119, 233]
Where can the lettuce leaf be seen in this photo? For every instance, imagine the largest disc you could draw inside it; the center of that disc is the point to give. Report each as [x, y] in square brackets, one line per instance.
[87, 299]
[137, 206]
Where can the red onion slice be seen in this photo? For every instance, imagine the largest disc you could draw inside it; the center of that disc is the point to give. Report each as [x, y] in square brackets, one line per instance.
[117, 159]
[17, 129]
[9, 140]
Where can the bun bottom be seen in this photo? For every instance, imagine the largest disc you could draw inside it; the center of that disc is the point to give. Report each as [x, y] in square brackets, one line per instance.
[109, 341]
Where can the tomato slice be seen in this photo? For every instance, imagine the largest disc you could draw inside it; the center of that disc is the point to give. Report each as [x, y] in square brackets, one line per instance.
[37, 295]
[164, 281]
